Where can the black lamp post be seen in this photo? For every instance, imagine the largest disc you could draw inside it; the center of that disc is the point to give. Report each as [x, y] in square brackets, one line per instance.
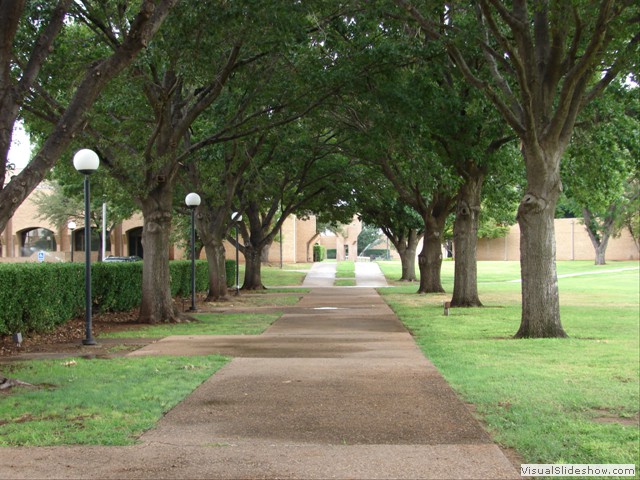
[71, 226]
[193, 200]
[86, 162]
[236, 217]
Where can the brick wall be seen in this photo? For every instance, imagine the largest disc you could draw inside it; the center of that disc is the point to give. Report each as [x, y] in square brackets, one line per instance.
[572, 243]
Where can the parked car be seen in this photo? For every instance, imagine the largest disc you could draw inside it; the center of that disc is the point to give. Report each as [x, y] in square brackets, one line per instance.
[132, 258]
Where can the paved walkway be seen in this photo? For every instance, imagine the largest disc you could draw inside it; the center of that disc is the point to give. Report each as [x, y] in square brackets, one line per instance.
[335, 389]
[323, 274]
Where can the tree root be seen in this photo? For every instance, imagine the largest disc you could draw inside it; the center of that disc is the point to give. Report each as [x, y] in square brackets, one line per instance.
[6, 383]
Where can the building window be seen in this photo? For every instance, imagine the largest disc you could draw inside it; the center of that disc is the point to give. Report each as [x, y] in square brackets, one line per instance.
[96, 239]
[36, 240]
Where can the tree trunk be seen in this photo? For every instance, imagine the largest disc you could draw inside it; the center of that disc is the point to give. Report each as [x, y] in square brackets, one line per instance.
[408, 262]
[465, 237]
[430, 258]
[540, 296]
[216, 258]
[212, 228]
[253, 266]
[157, 305]
[599, 242]
[406, 245]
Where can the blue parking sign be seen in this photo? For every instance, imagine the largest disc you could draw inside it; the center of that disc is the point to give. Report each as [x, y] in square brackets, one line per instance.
[41, 256]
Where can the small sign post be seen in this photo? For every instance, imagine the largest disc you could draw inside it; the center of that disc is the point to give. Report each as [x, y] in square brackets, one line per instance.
[41, 257]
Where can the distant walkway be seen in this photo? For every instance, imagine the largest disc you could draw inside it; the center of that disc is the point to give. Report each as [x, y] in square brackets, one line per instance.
[323, 274]
[368, 274]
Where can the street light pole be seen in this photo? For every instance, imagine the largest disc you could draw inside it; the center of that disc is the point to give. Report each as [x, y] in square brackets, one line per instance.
[71, 226]
[86, 162]
[193, 200]
[236, 217]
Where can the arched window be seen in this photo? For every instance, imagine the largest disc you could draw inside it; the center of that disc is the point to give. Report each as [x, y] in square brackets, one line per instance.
[35, 240]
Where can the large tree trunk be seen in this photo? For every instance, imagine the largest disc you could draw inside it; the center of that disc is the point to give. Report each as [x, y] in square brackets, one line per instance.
[406, 245]
[430, 258]
[157, 305]
[211, 223]
[253, 266]
[216, 258]
[408, 263]
[465, 237]
[540, 296]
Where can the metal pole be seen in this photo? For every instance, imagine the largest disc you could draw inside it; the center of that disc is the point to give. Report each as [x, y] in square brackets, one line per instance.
[237, 263]
[193, 260]
[88, 340]
[104, 229]
[72, 239]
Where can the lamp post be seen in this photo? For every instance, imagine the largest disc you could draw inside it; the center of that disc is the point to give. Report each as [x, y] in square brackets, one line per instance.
[71, 226]
[193, 200]
[86, 162]
[236, 217]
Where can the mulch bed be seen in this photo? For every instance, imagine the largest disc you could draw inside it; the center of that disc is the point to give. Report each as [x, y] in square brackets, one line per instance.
[67, 338]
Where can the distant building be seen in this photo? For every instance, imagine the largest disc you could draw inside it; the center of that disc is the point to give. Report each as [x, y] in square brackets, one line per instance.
[26, 235]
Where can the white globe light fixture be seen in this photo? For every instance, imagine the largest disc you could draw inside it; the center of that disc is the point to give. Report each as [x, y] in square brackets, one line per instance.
[86, 161]
[193, 200]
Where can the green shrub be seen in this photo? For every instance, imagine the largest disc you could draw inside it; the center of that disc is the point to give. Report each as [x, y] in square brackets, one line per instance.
[331, 253]
[116, 287]
[37, 297]
[230, 267]
[319, 253]
[180, 271]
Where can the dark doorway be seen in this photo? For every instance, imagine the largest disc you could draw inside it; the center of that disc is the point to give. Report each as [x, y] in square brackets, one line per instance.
[135, 242]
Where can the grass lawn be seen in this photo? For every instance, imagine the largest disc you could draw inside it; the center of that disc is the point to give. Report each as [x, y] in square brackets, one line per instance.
[96, 402]
[345, 269]
[273, 276]
[207, 324]
[554, 401]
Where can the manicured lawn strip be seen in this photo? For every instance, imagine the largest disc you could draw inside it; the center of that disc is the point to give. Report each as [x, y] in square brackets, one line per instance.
[542, 396]
[489, 272]
[96, 402]
[264, 298]
[345, 269]
[345, 282]
[207, 324]
[273, 276]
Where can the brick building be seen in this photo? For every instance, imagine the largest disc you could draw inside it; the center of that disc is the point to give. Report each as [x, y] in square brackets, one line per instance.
[26, 235]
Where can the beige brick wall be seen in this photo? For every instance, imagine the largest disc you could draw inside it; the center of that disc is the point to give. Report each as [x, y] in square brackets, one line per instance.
[299, 236]
[572, 243]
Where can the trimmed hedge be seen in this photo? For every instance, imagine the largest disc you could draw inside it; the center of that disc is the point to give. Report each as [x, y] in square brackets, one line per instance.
[319, 253]
[39, 296]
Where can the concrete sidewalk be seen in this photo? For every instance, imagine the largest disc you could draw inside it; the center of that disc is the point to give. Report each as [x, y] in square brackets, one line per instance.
[337, 389]
[323, 274]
